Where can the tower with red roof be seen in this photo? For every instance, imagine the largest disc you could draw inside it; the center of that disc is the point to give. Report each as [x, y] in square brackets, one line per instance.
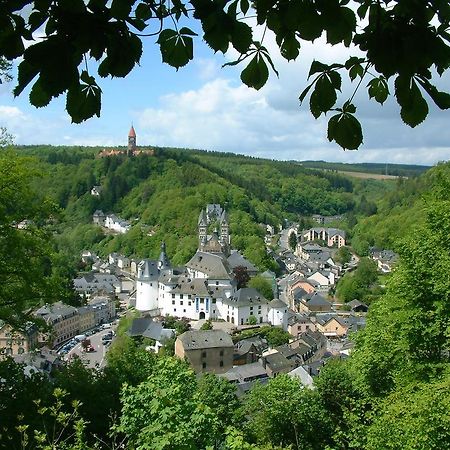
[131, 141]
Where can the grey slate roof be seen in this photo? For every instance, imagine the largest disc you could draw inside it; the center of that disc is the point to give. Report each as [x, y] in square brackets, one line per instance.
[315, 299]
[195, 340]
[246, 297]
[236, 259]
[148, 270]
[146, 327]
[277, 303]
[196, 286]
[215, 266]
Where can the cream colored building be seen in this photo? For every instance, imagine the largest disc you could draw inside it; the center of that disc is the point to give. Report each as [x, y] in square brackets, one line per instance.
[16, 342]
[64, 321]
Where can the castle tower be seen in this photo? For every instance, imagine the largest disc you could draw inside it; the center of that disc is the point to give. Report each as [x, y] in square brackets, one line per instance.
[131, 141]
[202, 229]
[147, 285]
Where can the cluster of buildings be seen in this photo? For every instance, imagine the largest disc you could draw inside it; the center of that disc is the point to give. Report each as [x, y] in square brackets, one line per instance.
[111, 221]
[64, 322]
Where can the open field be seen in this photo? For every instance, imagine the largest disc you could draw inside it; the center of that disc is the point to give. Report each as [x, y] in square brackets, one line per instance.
[374, 176]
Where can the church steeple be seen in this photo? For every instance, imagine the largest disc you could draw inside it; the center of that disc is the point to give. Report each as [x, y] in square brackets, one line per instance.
[131, 141]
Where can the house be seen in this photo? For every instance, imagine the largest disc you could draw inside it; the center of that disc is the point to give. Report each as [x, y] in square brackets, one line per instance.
[245, 352]
[299, 323]
[99, 217]
[385, 259]
[104, 308]
[331, 326]
[42, 360]
[357, 306]
[333, 237]
[116, 224]
[276, 363]
[303, 376]
[278, 313]
[95, 283]
[86, 318]
[243, 304]
[96, 191]
[313, 303]
[63, 320]
[146, 327]
[206, 351]
[246, 373]
[17, 341]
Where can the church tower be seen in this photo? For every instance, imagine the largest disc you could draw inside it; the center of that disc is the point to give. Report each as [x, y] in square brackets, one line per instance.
[131, 141]
[202, 229]
[224, 231]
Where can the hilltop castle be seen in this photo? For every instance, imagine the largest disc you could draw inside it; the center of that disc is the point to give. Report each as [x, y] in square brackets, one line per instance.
[132, 149]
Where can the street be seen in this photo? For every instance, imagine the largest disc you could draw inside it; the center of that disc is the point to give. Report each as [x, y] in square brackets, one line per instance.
[95, 359]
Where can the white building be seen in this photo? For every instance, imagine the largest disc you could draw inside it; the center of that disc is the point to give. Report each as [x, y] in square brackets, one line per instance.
[147, 288]
[117, 224]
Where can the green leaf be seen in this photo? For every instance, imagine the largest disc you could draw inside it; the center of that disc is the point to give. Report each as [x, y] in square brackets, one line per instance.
[143, 11]
[241, 37]
[414, 108]
[26, 73]
[441, 99]
[83, 101]
[256, 73]
[245, 5]
[176, 47]
[290, 47]
[345, 130]
[323, 97]
[378, 89]
[38, 95]
[306, 90]
[121, 9]
[316, 67]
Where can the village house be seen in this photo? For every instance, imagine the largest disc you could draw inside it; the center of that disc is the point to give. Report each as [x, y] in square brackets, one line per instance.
[331, 326]
[97, 283]
[333, 237]
[313, 303]
[16, 342]
[63, 320]
[299, 323]
[385, 259]
[147, 328]
[206, 351]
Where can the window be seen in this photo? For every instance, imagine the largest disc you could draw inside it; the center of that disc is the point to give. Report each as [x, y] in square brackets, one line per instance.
[189, 303]
[221, 352]
[251, 308]
[173, 295]
[217, 283]
[221, 363]
[173, 302]
[202, 301]
[214, 300]
[189, 296]
[203, 354]
[204, 365]
[181, 301]
[181, 296]
[184, 310]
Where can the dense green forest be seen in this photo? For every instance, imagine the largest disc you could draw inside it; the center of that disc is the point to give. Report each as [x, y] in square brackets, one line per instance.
[162, 196]
[393, 392]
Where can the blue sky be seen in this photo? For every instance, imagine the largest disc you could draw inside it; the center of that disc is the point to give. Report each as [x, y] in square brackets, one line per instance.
[207, 107]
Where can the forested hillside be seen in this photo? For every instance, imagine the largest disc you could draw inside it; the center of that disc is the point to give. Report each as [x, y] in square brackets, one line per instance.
[162, 195]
